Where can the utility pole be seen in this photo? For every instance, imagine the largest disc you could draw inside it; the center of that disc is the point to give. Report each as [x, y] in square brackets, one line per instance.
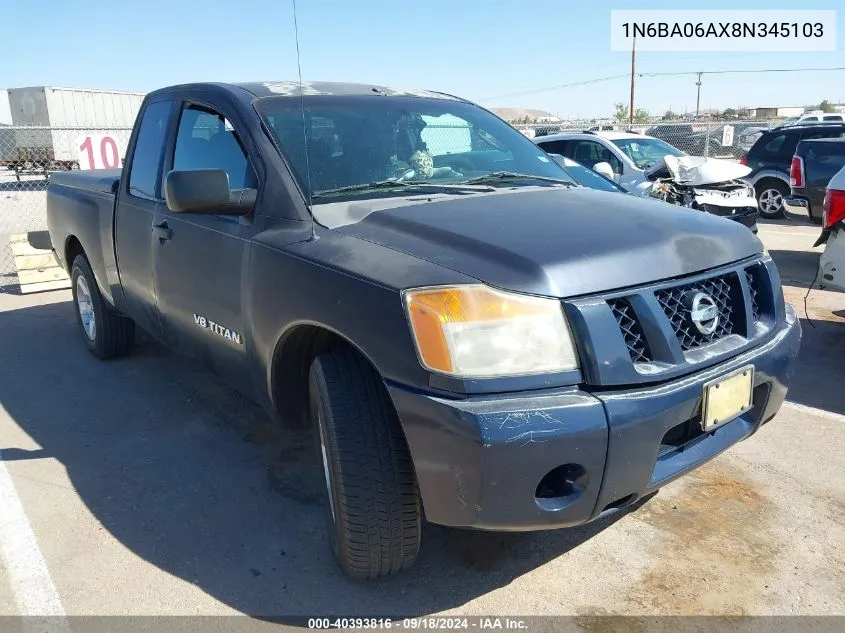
[633, 66]
[698, 94]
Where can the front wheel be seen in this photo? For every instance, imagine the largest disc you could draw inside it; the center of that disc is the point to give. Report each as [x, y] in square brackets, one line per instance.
[106, 334]
[372, 500]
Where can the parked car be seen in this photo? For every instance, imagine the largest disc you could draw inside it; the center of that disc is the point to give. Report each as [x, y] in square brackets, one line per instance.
[832, 261]
[812, 117]
[770, 159]
[638, 164]
[676, 134]
[709, 185]
[466, 332]
[730, 199]
[631, 156]
[815, 162]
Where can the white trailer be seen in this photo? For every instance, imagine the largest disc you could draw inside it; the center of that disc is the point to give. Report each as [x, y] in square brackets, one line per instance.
[7, 136]
[49, 123]
[5, 109]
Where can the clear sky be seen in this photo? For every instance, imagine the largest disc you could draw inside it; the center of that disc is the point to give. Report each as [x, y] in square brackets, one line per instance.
[473, 48]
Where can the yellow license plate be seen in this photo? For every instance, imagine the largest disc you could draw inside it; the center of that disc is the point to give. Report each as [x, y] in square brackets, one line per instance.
[727, 397]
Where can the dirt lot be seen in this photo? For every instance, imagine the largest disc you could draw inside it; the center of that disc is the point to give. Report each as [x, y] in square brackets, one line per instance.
[149, 488]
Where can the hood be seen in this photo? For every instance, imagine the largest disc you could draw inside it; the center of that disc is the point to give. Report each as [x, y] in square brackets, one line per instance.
[558, 242]
[698, 170]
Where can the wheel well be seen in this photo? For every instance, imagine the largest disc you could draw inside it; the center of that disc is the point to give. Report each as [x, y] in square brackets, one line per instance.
[72, 249]
[291, 363]
[761, 184]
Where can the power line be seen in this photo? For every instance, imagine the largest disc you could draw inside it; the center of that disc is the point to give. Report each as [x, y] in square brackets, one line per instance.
[727, 72]
[569, 85]
[656, 74]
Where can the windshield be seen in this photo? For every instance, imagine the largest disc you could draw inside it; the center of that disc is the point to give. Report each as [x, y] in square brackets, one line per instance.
[646, 152]
[355, 142]
[588, 178]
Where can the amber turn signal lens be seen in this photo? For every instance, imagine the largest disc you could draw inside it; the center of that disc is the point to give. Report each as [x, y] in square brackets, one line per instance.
[475, 330]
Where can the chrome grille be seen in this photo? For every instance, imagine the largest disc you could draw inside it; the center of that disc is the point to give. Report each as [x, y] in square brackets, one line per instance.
[631, 331]
[675, 304]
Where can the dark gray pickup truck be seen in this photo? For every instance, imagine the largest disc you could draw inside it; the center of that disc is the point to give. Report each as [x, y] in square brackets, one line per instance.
[473, 338]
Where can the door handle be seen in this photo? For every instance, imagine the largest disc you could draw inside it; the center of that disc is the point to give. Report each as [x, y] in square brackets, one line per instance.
[162, 231]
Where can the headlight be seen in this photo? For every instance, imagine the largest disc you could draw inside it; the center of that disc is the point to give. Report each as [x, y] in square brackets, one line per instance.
[476, 331]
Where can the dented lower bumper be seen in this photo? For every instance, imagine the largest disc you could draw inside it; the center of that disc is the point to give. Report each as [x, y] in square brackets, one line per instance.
[558, 458]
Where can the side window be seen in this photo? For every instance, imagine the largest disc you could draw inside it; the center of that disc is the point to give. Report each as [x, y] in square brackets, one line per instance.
[833, 117]
[206, 140]
[554, 147]
[781, 146]
[823, 133]
[149, 147]
[589, 153]
[774, 144]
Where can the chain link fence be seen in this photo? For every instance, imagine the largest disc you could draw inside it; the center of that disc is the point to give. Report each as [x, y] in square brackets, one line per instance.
[27, 157]
[716, 139]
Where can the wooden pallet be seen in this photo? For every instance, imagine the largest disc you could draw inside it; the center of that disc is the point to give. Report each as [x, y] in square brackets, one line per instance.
[38, 270]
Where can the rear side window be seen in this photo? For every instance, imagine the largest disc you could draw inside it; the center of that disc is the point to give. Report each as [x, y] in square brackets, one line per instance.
[146, 160]
[590, 153]
[833, 117]
[554, 147]
[777, 146]
[824, 132]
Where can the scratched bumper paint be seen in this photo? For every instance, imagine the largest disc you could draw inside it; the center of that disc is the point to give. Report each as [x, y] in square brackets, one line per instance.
[479, 460]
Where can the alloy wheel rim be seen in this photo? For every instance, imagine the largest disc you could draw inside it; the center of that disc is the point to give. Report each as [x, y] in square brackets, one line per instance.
[86, 308]
[771, 201]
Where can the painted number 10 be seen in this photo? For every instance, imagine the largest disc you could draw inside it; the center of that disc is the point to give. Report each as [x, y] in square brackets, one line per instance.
[108, 158]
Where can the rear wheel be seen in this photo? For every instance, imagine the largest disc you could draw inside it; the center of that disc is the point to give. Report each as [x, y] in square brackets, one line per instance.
[106, 334]
[372, 501]
[770, 194]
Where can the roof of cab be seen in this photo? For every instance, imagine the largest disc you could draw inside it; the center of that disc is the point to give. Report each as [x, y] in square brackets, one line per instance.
[257, 89]
[292, 89]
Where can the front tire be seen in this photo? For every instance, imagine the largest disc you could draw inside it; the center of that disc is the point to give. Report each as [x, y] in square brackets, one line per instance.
[373, 507]
[106, 334]
[770, 196]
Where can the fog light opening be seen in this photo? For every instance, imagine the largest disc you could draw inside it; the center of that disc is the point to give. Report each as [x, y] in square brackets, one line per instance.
[561, 486]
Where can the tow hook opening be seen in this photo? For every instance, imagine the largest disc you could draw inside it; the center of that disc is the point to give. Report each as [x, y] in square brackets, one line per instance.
[561, 486]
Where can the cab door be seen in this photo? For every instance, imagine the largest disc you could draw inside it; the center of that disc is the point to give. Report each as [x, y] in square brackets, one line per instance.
[200, 260]
[138, 200]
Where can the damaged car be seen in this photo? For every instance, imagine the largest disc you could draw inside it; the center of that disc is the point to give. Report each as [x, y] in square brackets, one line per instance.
[707, 184]
[648, 166]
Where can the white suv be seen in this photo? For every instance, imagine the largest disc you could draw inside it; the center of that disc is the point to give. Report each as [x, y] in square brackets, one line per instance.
[631, 156]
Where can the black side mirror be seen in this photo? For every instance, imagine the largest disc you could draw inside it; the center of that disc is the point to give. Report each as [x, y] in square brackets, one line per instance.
[206, 191]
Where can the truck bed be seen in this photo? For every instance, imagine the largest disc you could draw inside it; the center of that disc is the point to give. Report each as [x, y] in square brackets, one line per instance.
[80, 208]
[100, 180]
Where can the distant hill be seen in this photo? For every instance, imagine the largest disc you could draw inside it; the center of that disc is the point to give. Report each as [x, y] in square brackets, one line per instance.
[515, 114]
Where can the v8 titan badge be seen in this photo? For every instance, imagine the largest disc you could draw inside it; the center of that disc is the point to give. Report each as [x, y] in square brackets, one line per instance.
[217, 329]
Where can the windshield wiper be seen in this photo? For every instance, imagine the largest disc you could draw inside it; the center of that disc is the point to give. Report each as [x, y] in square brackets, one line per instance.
[505, 176]
[400, 184]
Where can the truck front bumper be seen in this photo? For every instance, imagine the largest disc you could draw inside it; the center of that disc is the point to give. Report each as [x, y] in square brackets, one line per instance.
[558, 458]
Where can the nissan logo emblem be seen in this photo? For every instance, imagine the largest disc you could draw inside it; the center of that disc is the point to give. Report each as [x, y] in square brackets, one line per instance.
[704, 313]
